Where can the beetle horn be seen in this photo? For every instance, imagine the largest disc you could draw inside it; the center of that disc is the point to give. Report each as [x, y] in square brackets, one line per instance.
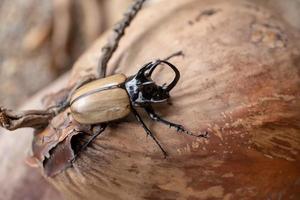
[176, 78]
[176, 71]
[143, 71]
[147, 70]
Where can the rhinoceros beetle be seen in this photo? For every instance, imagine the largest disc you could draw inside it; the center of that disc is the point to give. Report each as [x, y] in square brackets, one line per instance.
[114, 97]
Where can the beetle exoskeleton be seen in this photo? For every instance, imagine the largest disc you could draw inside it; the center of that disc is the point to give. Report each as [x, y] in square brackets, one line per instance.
[101, 100]
[114, 97]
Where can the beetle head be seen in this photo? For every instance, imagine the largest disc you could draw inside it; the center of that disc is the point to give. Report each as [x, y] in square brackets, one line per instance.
[143, 90]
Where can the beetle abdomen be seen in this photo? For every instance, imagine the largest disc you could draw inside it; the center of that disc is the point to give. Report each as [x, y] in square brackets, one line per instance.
[101, 101]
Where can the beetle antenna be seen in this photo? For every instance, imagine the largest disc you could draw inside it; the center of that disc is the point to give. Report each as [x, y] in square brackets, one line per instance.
[178, 53]
[149, 110]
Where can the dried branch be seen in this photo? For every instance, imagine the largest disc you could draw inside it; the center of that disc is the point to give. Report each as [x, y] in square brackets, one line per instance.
[119, 31]
[13, 120]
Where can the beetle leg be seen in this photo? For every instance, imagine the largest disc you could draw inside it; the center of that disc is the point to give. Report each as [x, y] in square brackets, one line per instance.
[138, 117]
[149, 110]
[92, 138]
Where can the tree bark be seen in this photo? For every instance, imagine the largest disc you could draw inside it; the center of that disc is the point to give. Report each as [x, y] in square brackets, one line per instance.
[240, 79]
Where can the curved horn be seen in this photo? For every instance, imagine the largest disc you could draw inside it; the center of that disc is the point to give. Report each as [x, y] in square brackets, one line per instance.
[147, 70]
[143, 70]
[176, 78]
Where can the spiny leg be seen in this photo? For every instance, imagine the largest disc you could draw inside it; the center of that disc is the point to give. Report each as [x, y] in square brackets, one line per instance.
[149, 110]
[92, 138]
[138, 117]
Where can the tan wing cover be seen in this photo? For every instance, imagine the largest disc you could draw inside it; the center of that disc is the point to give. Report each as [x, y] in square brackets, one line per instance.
[89, 106]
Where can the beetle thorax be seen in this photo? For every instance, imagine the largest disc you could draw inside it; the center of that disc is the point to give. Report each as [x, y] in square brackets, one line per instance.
[143, 92]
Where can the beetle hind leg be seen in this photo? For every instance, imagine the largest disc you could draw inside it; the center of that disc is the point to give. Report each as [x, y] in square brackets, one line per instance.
[82, 147]
[149, 110]
[138, 117]
[93, 137]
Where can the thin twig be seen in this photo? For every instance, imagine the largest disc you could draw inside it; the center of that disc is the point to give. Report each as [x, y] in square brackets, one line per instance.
[118, 33]
[12, 120]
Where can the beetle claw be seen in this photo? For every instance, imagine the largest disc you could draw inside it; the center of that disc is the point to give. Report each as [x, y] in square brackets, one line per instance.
[165, 155]
[204, 135]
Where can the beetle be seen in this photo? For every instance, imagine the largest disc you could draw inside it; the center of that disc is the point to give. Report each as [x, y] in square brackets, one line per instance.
[116, 96]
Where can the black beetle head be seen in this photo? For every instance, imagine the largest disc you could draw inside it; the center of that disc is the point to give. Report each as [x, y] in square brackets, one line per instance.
[143, 90]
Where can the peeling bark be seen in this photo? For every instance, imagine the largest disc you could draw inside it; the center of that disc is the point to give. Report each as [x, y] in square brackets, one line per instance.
[13, 120]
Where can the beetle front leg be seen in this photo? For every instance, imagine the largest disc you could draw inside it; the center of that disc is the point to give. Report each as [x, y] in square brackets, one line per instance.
[149, 110]
[138, 117]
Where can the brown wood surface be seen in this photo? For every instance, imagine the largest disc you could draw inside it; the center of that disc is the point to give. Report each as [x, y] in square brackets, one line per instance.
[240, 81]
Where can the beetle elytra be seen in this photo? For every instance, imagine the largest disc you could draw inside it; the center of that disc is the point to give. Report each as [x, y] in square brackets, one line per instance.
[114, 97]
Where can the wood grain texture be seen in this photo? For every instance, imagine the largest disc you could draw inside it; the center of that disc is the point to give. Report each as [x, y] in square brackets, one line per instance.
[240, 81]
